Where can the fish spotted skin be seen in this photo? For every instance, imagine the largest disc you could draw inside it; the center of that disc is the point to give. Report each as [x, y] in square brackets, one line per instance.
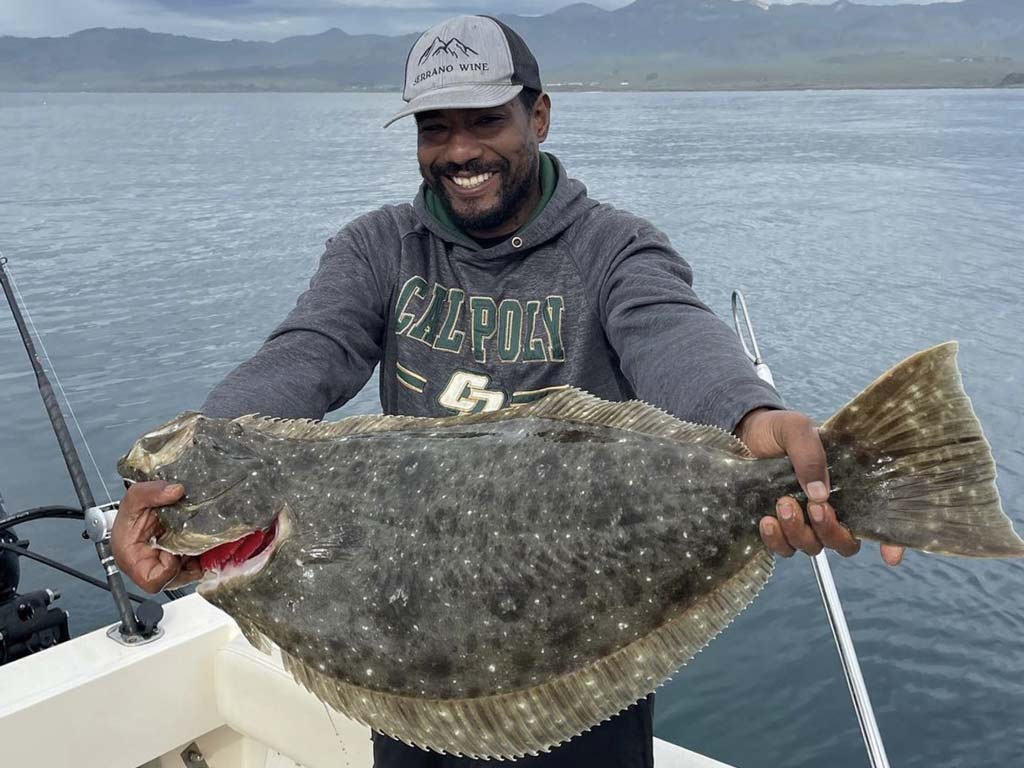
[494, 584]
[482, 560]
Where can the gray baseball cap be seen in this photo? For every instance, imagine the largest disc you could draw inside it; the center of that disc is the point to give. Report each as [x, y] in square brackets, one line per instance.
[468, 62]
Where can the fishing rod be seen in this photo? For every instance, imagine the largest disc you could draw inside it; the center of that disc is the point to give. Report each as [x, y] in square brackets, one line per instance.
[133, 629]
[823, 575]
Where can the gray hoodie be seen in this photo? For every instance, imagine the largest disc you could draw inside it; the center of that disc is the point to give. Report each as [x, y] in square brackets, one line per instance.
[585, 295]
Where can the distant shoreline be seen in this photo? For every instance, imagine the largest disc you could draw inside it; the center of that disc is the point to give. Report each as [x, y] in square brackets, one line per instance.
[708, 89]
[677, 46]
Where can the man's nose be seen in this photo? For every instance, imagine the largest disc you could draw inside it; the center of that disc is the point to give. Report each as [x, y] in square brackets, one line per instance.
[463, 146]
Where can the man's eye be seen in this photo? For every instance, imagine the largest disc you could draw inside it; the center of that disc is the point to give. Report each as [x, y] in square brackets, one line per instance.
[431, 128]
[490, 119]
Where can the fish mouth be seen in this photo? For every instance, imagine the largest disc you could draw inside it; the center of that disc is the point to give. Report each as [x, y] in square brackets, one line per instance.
[188, 542]
[241, 560]
[233, 556]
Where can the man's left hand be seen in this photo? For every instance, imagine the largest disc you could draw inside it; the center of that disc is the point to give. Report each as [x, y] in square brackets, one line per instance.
[770, 433]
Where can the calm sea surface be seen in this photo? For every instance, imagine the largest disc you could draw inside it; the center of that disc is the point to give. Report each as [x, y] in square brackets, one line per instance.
[158, 238]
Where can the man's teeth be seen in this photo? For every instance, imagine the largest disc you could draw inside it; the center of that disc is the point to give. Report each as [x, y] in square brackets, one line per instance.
[469, 182]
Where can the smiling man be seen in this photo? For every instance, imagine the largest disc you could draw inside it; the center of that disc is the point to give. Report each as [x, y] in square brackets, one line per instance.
[504, 281]
[486, 195]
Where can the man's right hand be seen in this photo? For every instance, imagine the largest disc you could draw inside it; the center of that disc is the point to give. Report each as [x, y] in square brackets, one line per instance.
[135, 525]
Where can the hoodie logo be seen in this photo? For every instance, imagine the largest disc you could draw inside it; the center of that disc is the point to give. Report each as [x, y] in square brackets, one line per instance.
[492, 329]
[454, 48]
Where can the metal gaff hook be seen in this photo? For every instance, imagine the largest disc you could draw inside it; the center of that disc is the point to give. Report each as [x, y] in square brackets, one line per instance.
[739, 306]
[827, 586]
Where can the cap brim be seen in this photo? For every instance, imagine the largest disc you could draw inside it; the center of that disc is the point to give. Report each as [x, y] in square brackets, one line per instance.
[459, 97]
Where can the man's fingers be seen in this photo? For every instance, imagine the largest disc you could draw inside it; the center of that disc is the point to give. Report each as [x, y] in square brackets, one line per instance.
[771, 535]
[142, 527]
[190, 571]
[797, 532]
[892, 554]
[799, 436]
[153, 573]
[828, 530]
[148, 495]
[158, 493]
[136, 523]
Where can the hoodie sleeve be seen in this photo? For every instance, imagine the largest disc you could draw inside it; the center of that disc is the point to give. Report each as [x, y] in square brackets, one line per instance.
[675, 352]
[324, 351]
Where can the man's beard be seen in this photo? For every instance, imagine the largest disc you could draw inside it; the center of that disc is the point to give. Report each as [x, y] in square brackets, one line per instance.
[513, 192]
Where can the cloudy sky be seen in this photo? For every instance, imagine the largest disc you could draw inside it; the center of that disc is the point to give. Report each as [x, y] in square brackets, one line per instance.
[261, 19]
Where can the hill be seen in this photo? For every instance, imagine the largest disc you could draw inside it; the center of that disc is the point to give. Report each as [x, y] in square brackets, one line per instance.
[652, 44]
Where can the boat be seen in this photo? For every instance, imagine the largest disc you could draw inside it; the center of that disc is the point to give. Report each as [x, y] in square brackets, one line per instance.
[168, 685]
[199, 695]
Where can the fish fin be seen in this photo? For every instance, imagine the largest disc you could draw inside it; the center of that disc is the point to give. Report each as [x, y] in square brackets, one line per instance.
[568, 404]
[252, 633]
[337, 546]
[929, 469]
[308, 429]
[536, 719]
[636, 416]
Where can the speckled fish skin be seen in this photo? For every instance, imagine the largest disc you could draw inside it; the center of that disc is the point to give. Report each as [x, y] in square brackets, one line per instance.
[444, 562]
[486, 557]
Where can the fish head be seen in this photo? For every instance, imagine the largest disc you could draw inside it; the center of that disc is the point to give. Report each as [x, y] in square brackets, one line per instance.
[231, 506]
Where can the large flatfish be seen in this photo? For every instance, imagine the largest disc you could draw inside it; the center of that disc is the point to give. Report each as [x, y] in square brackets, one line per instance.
[495, 584]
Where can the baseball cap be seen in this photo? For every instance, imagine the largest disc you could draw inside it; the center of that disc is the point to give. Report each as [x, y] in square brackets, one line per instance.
[468, 62]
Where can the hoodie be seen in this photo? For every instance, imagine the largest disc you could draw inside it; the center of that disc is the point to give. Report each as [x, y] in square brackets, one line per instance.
[584, 295]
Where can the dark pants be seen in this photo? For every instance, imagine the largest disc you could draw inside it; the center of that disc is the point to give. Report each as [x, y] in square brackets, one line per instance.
[625, 741]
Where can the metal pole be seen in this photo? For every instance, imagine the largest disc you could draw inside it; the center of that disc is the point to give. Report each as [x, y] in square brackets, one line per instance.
[129, 625]
[851, 666]
[826, 584]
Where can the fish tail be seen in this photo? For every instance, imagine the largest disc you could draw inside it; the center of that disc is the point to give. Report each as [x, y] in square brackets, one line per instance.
[910, 465]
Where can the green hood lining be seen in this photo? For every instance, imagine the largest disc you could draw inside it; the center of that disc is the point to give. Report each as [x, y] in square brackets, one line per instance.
[548, 183]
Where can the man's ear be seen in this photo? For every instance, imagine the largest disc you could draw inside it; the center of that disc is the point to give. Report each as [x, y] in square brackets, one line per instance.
[541, 117]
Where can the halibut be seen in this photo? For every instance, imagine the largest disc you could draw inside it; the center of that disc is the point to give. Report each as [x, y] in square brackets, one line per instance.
[492, 585]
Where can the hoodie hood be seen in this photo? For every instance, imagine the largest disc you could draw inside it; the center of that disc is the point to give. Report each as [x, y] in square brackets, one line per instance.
[567, 204]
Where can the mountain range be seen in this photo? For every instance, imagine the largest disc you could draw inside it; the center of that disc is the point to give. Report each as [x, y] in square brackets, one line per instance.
[651, 44]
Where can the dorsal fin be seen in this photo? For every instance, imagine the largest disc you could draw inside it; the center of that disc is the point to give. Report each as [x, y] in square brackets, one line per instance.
[309, 429]
[634, 415]
[568, 404]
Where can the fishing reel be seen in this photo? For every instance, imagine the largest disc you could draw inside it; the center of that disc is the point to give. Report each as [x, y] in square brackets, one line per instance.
[30, 622]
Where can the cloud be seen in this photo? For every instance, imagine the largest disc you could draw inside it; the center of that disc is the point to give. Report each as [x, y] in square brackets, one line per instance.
[260, 19]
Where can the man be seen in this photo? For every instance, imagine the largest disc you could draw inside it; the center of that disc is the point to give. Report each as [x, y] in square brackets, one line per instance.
[503, 282]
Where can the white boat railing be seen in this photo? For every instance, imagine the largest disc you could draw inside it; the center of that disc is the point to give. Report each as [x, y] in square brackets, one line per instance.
[201, 695]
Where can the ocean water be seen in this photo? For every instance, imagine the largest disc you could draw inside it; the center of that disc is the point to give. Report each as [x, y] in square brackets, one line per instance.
[158, 238]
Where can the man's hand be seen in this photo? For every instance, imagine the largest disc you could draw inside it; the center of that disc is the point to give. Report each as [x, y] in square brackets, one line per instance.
[770, 433]
[136, 523]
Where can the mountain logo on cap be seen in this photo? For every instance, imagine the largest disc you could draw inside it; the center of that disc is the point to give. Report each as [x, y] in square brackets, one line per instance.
[454, 48]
